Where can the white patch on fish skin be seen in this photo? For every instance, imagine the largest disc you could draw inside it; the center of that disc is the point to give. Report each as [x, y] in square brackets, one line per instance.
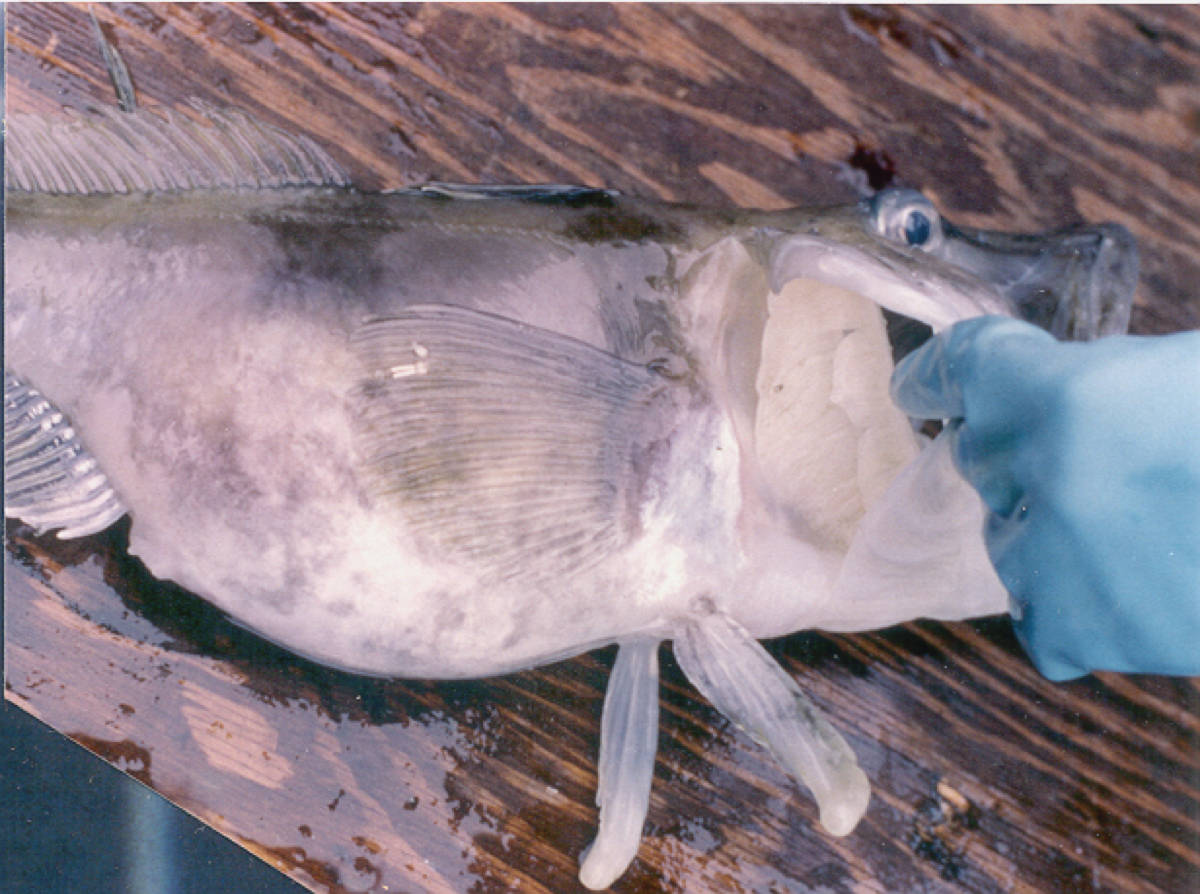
[418, 367]
[690, 543]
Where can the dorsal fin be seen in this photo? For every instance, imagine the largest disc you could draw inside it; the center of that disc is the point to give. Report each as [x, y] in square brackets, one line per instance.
[105, 152]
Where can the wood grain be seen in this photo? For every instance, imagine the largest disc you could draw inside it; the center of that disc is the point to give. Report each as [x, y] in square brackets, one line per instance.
[1012, 118]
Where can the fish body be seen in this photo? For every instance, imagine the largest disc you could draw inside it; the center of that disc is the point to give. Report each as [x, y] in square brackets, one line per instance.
[205, 343]
[211, 362]
[461, 431]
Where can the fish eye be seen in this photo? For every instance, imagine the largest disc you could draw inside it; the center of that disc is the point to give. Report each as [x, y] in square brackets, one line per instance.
[917, 228]
[907, 217]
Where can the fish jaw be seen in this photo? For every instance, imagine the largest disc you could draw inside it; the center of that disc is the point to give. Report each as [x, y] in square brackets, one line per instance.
[932, 292]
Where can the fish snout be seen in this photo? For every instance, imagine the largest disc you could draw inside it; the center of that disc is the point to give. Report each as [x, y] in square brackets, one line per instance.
[1076, 283]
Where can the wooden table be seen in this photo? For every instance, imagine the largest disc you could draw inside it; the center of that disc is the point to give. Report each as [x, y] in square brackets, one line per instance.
[986, 777]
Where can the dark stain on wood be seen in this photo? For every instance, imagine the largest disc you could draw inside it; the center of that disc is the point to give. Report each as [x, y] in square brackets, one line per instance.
[1019, 118]
[124, 755]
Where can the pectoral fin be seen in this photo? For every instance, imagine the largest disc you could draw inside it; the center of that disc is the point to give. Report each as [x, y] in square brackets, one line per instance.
[50, 478]
[628, 744]
[744, 683]
[518, 449]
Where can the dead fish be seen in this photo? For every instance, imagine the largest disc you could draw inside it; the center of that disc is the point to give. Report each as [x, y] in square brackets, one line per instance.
[458, 431]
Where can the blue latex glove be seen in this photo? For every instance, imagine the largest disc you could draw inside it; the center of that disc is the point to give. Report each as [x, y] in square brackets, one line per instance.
[1088, 458]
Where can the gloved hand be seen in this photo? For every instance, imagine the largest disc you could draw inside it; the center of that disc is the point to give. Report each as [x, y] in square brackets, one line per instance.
[1088, 458]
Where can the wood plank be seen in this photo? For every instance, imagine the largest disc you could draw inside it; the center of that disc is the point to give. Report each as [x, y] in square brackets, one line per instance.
[1011, 118]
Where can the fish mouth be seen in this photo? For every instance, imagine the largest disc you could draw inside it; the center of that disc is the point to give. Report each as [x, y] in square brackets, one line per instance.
[897, 251]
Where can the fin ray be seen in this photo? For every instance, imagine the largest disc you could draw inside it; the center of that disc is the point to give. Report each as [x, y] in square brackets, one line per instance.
[110, 151]
[118, 71]
[50, 478]
[514, 447]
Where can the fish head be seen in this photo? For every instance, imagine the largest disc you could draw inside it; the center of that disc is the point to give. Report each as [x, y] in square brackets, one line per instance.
[807, 366]
[898, 251]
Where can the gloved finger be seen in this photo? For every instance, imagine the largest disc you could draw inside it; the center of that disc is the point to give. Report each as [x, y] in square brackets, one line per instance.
[934, 381]
[984, 376]
[927, 384]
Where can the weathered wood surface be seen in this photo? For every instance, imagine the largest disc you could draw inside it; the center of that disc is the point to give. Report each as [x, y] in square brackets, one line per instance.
[1011, 118]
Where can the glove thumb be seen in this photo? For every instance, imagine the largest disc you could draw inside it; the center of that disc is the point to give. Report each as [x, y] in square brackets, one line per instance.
[930, 383]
